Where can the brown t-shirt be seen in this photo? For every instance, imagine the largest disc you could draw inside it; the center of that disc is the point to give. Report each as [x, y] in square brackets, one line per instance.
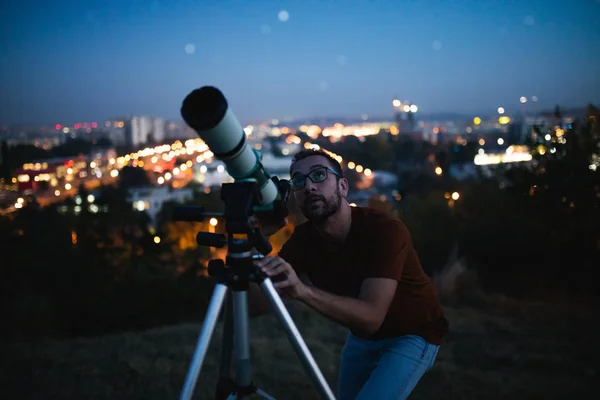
[378, 245]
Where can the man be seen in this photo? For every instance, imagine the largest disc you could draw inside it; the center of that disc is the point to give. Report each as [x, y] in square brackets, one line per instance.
[359, 268]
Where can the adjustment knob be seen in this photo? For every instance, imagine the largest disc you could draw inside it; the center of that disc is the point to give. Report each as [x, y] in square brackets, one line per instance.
[216, 267]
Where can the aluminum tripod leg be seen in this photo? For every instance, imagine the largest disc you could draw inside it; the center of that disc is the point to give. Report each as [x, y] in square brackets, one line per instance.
[227, 340]
[258, 392]
[208, 328]
[241, 334]
[225, 383]
[237, 335]
[296, 340]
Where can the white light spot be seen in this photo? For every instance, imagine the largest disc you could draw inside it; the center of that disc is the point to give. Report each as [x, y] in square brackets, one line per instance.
[283, 15]
[323, 86]
[190, 48]
[534, 98]
[437, 45]
[265, 29]
[342, 60]
[529, 20]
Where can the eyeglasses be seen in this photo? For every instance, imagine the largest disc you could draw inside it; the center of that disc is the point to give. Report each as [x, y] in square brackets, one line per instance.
[316, 176]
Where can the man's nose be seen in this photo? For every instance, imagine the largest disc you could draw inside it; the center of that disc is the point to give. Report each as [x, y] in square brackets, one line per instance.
[309, 186]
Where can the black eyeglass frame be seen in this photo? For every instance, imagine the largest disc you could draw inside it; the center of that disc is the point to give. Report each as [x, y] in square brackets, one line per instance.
[304, 176]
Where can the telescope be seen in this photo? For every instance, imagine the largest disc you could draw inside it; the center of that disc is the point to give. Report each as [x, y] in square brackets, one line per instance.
[207, 112]
[253, 192]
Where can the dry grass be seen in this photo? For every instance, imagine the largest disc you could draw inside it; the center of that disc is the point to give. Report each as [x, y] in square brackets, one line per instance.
[499, 350]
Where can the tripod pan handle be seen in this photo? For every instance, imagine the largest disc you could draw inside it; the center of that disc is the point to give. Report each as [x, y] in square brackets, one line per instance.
[211, 239]
[188, 213]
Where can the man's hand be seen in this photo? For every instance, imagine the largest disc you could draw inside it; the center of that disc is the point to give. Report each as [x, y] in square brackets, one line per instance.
[290, 285]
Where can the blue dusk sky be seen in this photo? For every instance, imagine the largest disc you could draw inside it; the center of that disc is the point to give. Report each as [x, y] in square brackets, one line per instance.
[67, 61]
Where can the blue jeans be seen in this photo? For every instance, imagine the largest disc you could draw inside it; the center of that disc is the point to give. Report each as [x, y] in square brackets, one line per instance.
[383, 369]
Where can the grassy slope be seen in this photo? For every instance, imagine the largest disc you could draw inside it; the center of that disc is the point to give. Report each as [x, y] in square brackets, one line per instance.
[503, 350]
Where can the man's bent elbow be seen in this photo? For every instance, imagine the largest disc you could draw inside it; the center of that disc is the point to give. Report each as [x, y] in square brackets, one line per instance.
[371, 324]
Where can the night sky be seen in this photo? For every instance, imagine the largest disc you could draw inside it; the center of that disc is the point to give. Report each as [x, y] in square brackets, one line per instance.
[88, 60]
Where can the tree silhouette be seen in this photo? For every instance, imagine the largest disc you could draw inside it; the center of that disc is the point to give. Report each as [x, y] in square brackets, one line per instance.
[4, 166]
[133, 177]
[539, 221]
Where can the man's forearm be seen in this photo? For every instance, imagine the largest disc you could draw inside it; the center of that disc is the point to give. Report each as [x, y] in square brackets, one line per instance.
[355, 314]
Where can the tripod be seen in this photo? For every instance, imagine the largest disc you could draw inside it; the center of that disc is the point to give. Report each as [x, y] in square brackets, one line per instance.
[233, 278]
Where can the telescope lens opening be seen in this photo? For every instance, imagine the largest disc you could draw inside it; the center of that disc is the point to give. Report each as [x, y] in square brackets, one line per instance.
[204, 108]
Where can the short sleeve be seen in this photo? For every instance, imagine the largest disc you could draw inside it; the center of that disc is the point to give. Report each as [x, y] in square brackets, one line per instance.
[392, 246]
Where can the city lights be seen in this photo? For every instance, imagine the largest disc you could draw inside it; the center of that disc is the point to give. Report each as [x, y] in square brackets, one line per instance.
[510, 156]
[503, 120]
[160, 159]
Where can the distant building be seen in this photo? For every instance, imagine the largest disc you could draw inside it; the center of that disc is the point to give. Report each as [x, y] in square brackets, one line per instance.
[405, 122]
[178, 130]
[116, 131]
[404, 117]
[158, 130]
[151, 199]
[136, 131]
[45, 143]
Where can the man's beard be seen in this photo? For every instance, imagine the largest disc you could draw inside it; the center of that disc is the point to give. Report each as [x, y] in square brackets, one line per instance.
[320, 211]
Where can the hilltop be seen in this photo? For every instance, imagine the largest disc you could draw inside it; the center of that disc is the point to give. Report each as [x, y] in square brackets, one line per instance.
[497, 349]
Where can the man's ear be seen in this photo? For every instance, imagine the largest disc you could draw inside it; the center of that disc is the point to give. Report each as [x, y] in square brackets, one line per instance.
[343, 185]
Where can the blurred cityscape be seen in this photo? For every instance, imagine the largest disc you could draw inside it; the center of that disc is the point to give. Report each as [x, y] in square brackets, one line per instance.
[173, 156]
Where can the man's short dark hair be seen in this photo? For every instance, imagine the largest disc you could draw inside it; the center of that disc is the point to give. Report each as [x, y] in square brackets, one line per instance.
[305, 153]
